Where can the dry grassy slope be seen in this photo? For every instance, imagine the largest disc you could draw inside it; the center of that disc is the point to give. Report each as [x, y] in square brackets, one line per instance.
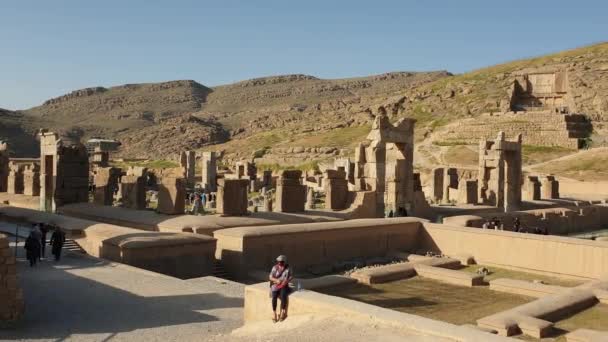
[435, 103]
[298, 110]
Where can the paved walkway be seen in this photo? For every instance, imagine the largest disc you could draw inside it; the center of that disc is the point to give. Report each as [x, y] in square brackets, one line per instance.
[87, 299]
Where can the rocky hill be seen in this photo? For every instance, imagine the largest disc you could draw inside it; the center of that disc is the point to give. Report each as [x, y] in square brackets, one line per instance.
[297, 118]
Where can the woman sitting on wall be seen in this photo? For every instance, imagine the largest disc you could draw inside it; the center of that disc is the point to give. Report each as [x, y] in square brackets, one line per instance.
[280, 276]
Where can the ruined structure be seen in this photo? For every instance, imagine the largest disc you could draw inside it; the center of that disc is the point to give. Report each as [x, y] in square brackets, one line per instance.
[384, 164]
[106, 183]
[172, 191]
[348, 166]
[550, 187]
[209, 171]
[64, 172]
[100, 158]
[291, 194]
[531, 190]
[540, 89]
[336, 189]
[232, 196]
[188, 162]
[15, 178]
[500, 172]
[31, 180]
[133, 188]
[4, 161]
[467, 191]
[245, 169]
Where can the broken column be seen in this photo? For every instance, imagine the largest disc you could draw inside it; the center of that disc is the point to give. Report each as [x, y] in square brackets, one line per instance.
[209, 171]
[232, 196]
[550, 188]
[291, 194]
[15, 178]
[11, 295]
[531, 189]
[188, 162]
[64, 171]
[336, 189]
[172, 191]
[31, 180]
[450, 184]
[467, 191]
[267, 179]
[106, 183]
[437, 184]
[4, 169]
[133, 188]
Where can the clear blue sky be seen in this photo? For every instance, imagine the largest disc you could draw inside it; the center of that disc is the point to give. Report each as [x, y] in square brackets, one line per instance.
[48, 48]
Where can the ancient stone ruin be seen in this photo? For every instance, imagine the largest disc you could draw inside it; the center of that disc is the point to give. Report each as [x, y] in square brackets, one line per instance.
[209, 171]
[31, 179]
[188, 162]
[291, 194]
[232, 196]
[531, 190]
[64, 172]
[172, 191]
[15, 178]
[336, 189]
[4, 169]
[133, 188]
[384, 164]
[106, 183]
[500, 172]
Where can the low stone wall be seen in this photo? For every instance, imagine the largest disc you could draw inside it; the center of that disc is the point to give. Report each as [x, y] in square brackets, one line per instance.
[11, 296]
[246, 248]
[181, 255]
[557, 221]
[555, 255]
[257, 306]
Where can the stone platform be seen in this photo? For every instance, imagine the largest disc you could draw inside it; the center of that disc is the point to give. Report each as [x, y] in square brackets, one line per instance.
[207, 224]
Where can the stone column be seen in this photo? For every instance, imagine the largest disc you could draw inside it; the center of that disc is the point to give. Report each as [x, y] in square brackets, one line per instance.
[531, 189]
[15, 178]
[209, 171]
[550, 188]
[31, 180]
[291, 194]
[232, 197]
[336, 189]
[11, 296]
[4, 169]
[172, 191]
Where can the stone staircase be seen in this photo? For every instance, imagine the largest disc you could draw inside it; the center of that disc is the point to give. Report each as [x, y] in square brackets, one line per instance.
[219, 271]
[72, 246]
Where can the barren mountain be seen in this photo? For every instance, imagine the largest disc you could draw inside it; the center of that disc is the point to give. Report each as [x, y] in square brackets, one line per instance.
[295, 118]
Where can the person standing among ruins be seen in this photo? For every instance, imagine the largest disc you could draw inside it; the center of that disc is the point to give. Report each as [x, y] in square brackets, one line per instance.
[57, 241]
[32, 247]
[196, 205]
[280, 276]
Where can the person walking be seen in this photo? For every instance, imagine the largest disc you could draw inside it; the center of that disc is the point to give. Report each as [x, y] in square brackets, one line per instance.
[280, 276]
[32, 247]
[44, 229]
[196, 205]
[57, 241]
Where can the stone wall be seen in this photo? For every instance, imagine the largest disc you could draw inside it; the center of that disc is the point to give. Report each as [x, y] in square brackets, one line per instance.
[554, 255]
[249, 248]
[11, 296]
[558, 221]
[538, 128]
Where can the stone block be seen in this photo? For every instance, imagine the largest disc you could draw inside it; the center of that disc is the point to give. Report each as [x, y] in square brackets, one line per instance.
[232, 196]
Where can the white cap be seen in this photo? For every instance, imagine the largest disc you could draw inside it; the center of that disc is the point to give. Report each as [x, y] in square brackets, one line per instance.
[282, 258]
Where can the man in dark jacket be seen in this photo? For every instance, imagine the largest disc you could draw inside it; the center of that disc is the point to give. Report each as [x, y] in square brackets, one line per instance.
[32, 247]
[43, 230]
[57, 241]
